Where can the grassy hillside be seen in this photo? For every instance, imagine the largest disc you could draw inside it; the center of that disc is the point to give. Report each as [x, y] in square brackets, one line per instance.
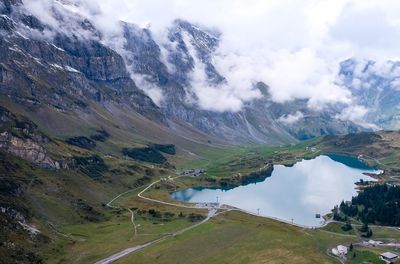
[380, 149]
[54, 200]
[235, 237]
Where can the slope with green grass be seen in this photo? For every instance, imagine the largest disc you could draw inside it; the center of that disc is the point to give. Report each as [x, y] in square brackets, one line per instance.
[235, 237]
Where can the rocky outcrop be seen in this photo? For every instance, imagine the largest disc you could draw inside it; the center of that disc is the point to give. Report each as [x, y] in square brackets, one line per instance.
[28, 150]
[21, 137]
[205, 44]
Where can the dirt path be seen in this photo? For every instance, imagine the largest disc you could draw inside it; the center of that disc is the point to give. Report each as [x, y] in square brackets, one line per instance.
[109, 204]
[125, 252]
[140, 195]
[211, 213]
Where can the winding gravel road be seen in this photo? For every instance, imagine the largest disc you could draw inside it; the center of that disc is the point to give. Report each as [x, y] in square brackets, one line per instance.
[211, 213]
[131, 250]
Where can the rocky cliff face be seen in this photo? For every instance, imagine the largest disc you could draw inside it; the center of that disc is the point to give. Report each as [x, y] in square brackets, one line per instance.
[28, 150]
[66, 70]
[20, 137]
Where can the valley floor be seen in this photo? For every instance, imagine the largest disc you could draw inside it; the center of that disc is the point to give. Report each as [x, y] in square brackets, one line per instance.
[232, 236]
[185, 233]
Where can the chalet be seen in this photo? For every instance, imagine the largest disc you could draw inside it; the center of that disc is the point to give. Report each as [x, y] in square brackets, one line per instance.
[375, 243]
[340, 251]
[389, 257]
[193, 172]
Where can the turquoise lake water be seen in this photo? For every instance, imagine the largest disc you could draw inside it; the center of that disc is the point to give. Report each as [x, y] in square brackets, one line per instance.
[295, 193]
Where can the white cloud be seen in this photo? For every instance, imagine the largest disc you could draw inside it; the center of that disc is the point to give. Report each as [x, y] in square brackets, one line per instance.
[293, 46]
[395, 84]
[304, 75]
[55, 15]
[228, 96]
[356, 114]
[369, 28]
[291, 118]
[150, 89]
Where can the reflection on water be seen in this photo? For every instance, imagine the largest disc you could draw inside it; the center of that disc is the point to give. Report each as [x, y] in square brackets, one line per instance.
[298, 192]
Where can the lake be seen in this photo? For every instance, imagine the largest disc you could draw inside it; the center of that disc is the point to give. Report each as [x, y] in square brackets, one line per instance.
[294, 194]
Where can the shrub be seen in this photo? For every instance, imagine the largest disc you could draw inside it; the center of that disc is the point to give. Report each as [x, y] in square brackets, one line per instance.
[168, 148]
[101, 136]
[195, 217]
[347, 227]
[82, 142]
[145, 154]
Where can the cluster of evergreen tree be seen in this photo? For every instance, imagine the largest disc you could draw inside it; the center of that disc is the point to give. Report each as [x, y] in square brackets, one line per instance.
[378, 204]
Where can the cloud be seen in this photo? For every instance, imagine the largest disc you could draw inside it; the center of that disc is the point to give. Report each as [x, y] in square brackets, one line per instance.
[150, 89]
[370, 29]
[303, 75]
[367, 74]
[228, 96]
[291, 118]
[293, 46]
[356, 114]
[395, 84]
[59, 17]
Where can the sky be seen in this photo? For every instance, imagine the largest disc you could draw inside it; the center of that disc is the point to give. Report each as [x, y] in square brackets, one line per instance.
[293, 46]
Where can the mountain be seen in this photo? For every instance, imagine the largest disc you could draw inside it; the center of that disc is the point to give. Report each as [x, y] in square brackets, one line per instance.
[258, 121]
[85, 116]
[65, 72]
[377, 87]
[71, 68]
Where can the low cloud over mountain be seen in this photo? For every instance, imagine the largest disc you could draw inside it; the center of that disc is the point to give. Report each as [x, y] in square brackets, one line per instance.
[261, 77]
[293, 47]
